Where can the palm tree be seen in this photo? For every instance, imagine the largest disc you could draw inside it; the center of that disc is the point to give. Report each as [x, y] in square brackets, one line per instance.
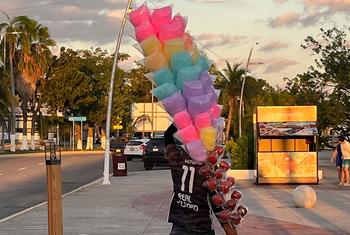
[13, 35]
[141, 119]
[33, 64]
[5, 103]
[229, 82]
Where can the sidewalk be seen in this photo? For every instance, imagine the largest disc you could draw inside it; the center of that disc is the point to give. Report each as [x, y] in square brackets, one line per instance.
[139, 203]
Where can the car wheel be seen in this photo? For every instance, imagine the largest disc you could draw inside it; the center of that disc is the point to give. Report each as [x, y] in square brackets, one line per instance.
[129, 158]
[148, 166]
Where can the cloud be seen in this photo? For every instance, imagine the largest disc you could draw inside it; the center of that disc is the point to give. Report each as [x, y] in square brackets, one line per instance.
[277, 64]
[280, 1]
[334, 5]
[286, 19]
[217, 40]
[273, 46]
[315, 11]
[88, 21]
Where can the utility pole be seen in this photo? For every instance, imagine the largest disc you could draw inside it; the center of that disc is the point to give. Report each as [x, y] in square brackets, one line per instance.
[110, 96]
[242, 90]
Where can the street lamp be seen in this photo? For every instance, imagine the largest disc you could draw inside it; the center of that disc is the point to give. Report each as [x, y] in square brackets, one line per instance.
[242, 89]
[110, 96]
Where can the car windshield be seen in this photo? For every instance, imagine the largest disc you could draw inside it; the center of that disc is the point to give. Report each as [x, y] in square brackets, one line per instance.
[156, 142]
[135, 143]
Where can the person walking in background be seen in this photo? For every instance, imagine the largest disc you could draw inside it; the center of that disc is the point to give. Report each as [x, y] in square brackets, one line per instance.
[190, 211]
[345, 150]
[337, 154]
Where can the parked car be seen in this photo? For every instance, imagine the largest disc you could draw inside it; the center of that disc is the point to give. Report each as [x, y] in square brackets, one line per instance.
[155, 153]
[117, 146]
[135, 148]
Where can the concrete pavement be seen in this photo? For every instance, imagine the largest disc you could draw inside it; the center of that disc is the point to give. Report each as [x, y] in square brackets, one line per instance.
[139, 203]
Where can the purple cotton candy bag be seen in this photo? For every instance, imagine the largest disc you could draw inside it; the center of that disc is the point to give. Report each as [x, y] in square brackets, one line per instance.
[192, 88]
[198, 104]
[174, 103]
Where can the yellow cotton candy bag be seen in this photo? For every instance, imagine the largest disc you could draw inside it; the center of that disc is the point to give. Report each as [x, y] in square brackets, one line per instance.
[173, 46]
[208, 137]
[156, 61]
[194, 52]
[151, 45]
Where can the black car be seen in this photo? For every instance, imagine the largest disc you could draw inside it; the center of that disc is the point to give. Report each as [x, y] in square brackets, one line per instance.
[155, 153]
[117, 146]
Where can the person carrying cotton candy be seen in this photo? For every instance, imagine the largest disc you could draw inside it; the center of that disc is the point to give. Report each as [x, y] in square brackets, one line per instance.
[185, 89]
[190, 209]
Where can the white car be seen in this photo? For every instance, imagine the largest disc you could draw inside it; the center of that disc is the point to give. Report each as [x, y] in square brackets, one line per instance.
[135, 148]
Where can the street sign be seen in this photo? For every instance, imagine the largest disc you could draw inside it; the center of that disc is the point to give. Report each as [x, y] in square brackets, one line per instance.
[117, 127]
[77, 119]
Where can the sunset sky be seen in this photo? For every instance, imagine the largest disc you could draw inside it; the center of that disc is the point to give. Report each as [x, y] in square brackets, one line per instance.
[229, 28]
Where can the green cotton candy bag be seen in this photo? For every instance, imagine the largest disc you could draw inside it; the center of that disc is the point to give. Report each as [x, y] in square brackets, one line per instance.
[165, 90]
[187, 74]
[163, 76]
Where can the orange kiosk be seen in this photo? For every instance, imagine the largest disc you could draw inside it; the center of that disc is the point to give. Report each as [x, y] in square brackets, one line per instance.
[286, 144]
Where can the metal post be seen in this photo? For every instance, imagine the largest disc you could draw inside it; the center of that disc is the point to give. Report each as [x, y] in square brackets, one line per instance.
[54, 189]
[242, 89]
[110, 96]
[5, 52]
[73, 135]
[81, 134]
[152, 112]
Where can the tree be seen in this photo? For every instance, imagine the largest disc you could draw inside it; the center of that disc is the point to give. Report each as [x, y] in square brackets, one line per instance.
[13, 35]
[5, 103]
[78, 85]
[229, 82]
[327, 84]
[32, 64]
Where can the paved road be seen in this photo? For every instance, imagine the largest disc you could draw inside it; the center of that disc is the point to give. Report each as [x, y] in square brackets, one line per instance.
[23, 178]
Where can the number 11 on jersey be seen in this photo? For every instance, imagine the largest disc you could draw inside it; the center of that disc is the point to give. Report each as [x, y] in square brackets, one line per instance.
[184, 176]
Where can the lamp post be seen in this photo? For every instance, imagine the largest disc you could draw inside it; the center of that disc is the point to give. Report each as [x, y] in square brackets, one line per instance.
[242, 89]
[110, 96]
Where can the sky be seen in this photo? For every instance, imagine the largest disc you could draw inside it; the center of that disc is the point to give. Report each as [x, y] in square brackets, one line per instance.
[225, 30]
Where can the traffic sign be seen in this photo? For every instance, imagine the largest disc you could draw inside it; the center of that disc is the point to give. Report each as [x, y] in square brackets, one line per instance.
[77, 119]
[117, 127]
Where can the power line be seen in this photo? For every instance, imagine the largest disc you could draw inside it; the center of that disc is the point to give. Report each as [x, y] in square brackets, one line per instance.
[38, 5]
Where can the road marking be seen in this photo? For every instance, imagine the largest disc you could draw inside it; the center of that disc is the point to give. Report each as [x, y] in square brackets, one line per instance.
[43, 203]
[40, 164]
[1, 174]
[21, 169]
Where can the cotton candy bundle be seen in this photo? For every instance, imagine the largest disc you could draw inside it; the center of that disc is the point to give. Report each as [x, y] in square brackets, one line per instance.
[186, 91]
[180, 72]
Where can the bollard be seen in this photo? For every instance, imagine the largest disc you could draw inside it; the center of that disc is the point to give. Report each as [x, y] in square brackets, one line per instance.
[54, 189]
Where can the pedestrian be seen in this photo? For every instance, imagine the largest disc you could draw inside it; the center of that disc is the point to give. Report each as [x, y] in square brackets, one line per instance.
[345, 149]
[191, 210]
[337, 154]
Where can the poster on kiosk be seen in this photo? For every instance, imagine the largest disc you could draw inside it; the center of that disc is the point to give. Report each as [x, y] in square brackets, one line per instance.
[286, 144]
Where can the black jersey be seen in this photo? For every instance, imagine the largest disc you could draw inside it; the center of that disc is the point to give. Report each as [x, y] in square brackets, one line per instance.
[190, 206]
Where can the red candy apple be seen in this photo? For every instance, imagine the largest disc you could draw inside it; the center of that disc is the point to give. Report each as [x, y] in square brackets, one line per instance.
[225, 165]
[205, 171]
[218, 200]
[219, 150]
[231, 180]
[231, 204]
[225, 186]
[210, 184]
[236, 195]
[218, 174]
[235, 218]
[242, 210]
[224, 216]
[212, 158]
